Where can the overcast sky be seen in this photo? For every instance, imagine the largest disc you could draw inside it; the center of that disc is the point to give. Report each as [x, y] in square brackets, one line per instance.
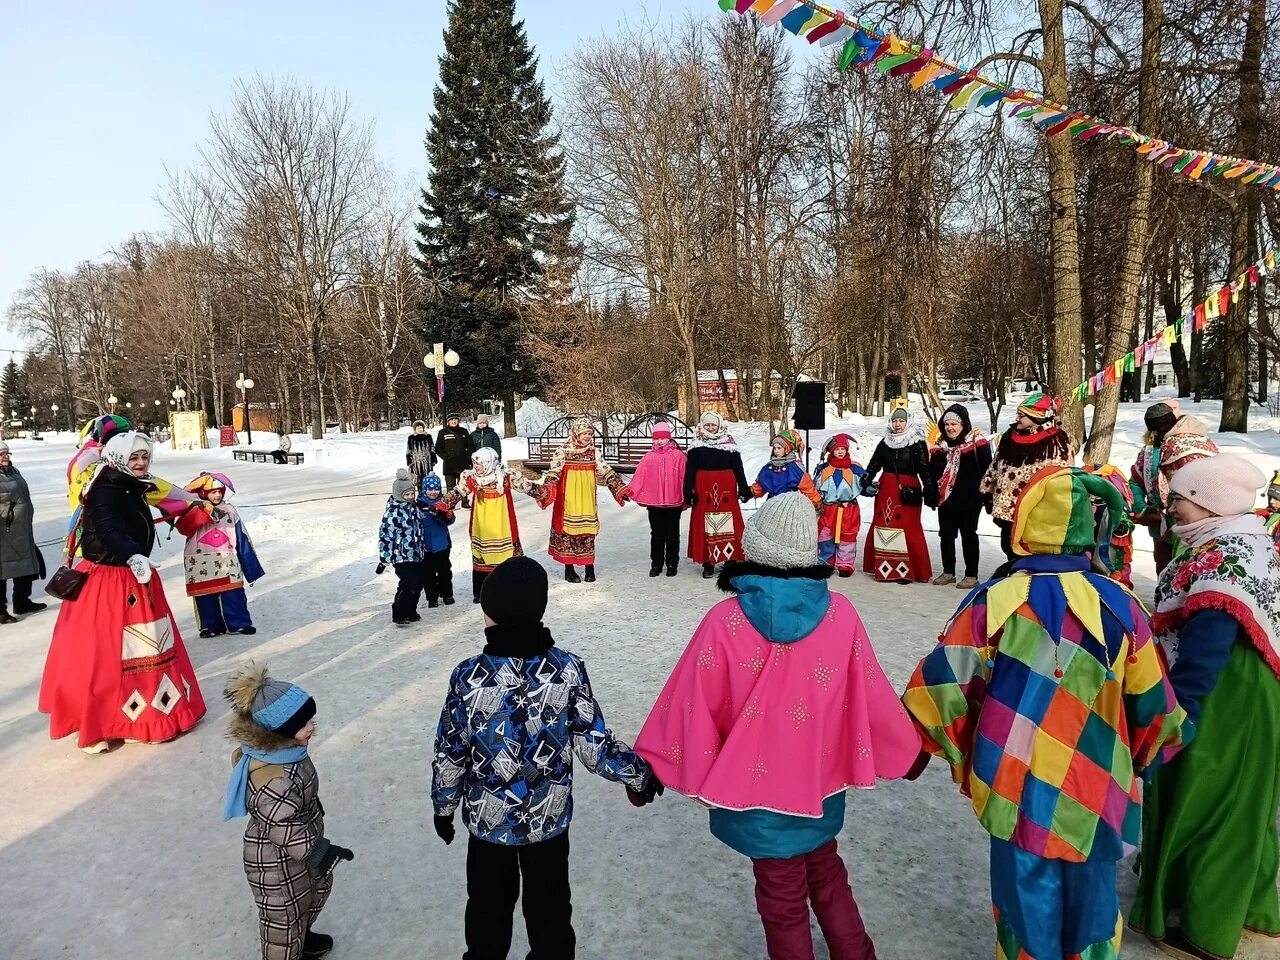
[97, 98]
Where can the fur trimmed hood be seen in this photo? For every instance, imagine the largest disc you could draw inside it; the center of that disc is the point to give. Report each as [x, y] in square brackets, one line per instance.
[242, 730]
[241, 691]
[785, 606]
[745, 568]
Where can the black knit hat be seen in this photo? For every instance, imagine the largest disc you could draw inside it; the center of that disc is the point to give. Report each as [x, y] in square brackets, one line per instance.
[515, 593]
[1160, 417]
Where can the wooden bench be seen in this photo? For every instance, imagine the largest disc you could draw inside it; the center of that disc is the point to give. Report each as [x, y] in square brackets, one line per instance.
[622, 451]
[264, 456]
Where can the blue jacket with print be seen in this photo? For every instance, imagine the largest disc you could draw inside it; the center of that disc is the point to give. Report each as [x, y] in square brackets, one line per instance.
[505, 744]
[400, 534]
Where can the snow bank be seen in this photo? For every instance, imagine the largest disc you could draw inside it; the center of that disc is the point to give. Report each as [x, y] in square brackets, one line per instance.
[534, 416]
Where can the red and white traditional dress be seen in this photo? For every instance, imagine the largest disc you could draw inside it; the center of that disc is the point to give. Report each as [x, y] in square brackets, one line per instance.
[715, 485]
[569, 487]
[896, 549]
[117, 668]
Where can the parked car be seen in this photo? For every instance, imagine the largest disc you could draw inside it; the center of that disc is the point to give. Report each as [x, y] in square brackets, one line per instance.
[959, 396]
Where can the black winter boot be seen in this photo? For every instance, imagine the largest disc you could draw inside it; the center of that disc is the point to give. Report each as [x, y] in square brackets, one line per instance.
[6, 617]
[708, 571]
[655, 571]
[570, 574]
[671, 569]
[316, 945]
[591, 573]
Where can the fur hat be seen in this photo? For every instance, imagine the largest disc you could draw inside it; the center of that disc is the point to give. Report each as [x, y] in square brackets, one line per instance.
[4, 447]
[122, 446]
[1054, 512]
[515, 593]
[1039, 407]
[278, 706]
[402, 485]
[1225, 485]
[783, 533]
[419, 423]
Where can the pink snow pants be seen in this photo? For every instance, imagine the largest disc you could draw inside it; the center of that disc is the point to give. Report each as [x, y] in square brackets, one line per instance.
[784, 891]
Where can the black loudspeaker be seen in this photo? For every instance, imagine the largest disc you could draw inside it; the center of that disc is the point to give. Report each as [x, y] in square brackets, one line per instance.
[811, 405]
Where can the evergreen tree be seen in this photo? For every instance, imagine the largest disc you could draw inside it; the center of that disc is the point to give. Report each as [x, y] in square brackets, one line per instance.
[494, 211]
[15, 399]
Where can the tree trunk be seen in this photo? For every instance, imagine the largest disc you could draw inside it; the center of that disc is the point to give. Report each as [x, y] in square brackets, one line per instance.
[1122, 325]
[1235, 333]
[1065, 372]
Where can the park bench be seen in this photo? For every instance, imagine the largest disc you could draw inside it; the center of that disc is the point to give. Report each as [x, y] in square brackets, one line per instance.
[265, 456]
[622, 451]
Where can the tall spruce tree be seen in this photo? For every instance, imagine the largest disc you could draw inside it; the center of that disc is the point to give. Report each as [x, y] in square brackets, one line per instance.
[14, 397]
[494, 210]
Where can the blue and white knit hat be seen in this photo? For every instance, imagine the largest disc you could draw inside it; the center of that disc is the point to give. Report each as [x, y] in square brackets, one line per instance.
[281, 707]
[432, 482]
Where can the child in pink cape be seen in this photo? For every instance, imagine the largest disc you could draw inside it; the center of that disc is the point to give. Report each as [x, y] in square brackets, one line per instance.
[658, 485]
[778, 706]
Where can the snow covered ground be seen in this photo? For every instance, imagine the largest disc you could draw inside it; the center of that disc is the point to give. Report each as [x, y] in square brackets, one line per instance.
[125, 857]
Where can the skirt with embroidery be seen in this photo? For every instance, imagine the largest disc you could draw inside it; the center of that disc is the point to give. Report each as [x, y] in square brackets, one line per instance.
[117, 668]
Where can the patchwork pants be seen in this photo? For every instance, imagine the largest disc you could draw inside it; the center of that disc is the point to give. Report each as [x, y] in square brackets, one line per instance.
[289, 901]
[1053, 909]
[223, 612]
[839, 555]
[494, 871]
[785, 889]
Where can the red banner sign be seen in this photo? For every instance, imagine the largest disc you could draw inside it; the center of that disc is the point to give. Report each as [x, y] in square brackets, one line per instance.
[712, 391]
[226, 437]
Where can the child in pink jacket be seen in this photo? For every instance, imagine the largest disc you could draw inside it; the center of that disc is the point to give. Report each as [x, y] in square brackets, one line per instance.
[776, 708]
[658, 485]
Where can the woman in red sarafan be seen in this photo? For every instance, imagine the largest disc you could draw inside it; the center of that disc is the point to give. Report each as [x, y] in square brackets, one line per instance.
[896, 549]
[714, 485]
[117, 668]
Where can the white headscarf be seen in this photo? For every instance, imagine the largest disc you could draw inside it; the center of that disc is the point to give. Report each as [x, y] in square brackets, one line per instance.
[122, 446]
[486, 468]
[722, 440]
[913, 433]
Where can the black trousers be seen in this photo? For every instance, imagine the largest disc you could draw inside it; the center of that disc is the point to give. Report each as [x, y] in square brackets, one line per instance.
[478, 578]
[1006, 539]
[493, 886]
[21, 591]
[965, 523]
[437, 576]
[408, 592]
[664, 536]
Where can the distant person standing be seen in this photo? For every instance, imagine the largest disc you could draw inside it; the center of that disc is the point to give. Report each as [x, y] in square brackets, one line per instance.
[454, 448]
[485, 436]
[420, 452]
[20, 559]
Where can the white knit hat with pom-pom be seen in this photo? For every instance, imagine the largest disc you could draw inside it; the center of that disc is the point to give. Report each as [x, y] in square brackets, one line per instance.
[783, 533]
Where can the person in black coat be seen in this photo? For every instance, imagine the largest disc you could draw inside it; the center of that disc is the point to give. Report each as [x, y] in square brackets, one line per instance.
[895, 549]
[958, 462]
[454, 448]
[485, 436]
[117, 524]
[420, 452]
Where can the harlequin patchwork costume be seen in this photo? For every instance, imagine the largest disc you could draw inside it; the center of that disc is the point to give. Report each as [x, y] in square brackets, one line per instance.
[117, 668]
[839, 482]
[714, 484]
[513, 719]
[1047, 695]
[569, 487]
[1019, 456]
[495, 535]
[896, 549]
[1209, 847]
[218, 560]
[1114, 550]
[776, 708]
[783, 473]
[288, 861]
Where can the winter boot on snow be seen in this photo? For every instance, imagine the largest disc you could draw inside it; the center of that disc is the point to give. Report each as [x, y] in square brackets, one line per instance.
[29, 607]
[968, 583]
[205, 634]
[708, 571]
[6, 617]
[590, 576]
[316, 945]
[571, 575]
[433, 603]
[671, 569]
[944, 580]
[246, 631]
[655, 571]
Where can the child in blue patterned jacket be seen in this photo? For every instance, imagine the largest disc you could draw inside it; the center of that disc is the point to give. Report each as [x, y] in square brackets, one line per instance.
[512, 721]
[401, 544]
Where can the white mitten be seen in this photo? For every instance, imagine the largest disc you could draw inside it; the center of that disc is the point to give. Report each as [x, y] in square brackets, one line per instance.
[140, 567]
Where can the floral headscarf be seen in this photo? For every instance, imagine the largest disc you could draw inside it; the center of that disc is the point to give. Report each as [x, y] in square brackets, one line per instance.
[487, 469]
[722, 440]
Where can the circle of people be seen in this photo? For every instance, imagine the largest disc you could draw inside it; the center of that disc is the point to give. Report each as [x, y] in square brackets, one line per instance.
[1079, 725]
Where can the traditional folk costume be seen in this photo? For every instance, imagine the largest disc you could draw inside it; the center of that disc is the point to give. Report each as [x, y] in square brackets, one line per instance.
[514, 717]
[1186, 442]
[1148, 485]
[1271, 513]
[219, 560]
[117, 668]
[714, 485]
[658, 486]
[1209, 848]
[1113, 553]
[420, 451]
[896, 549]
[958, 467]
[784, 473]
[495, 535]
[768, 720]
[402, 545]
[287, 859]
[1020, 456]
[1047, 695]
[838, 481]
[569, 487]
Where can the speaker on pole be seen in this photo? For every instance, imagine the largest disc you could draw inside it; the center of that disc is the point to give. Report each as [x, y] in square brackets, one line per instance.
[811, 405]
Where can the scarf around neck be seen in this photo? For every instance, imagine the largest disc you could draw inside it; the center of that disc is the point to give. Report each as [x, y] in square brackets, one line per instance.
[968, 443]
[899, 441]
[237, 804]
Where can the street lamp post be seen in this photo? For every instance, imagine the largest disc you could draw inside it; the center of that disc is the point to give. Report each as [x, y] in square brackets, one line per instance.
[246, 384]
[54, 409]
[437, 360]
[113, 400]
[180, 396]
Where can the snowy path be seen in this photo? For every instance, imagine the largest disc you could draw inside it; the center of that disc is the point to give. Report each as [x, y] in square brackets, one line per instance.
[124, 856]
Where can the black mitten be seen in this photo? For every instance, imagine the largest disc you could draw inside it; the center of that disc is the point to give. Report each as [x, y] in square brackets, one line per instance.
[444, 829]
[325, 855]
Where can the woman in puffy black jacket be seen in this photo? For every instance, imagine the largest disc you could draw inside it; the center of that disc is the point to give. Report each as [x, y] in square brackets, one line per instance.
[896, 549]
[958, 461]
[117, 668]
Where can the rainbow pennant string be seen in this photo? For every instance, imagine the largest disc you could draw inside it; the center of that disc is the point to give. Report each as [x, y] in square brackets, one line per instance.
[864, 46]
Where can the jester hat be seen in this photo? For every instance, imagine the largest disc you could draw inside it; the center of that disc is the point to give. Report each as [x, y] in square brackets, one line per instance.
[1054, 514]
[1039, 407]
[206, 481]
[103, 428]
